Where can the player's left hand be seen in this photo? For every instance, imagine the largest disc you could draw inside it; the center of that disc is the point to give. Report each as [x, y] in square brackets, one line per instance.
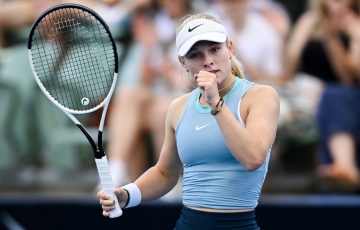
[207, 83]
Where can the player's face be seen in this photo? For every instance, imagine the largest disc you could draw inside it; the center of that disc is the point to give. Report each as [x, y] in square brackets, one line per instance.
[209, 56]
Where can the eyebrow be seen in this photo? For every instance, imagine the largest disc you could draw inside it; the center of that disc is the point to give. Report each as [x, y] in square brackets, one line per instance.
[208, 43]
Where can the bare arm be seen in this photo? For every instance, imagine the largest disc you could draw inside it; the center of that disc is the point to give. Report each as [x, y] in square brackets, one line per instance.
[161, 178]
[260, 111]
[300, 35]
[340, 60]
[353, 28]
[250, 144]
[16, 13]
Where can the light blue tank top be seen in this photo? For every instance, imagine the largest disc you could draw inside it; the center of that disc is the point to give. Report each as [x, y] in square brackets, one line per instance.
[213, 178]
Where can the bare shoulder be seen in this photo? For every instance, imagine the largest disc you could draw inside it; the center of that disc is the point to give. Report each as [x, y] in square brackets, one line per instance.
[263, 94]
[178, 103]
[262, 91]
[176, 109]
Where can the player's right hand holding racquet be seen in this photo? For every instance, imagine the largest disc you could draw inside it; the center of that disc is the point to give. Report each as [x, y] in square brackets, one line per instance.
[107, 204]
[128, 196]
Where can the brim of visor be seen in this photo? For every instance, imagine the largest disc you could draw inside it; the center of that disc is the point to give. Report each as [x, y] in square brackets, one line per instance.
[209, 36]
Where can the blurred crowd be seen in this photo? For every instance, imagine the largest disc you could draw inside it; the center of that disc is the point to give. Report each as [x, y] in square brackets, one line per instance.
[311, 56]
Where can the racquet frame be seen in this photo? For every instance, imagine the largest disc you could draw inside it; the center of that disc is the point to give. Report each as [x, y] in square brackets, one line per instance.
[99, 153]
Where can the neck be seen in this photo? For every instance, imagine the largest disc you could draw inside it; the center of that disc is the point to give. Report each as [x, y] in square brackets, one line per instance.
[227, 85]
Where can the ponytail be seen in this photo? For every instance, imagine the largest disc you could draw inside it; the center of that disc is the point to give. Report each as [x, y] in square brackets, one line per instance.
[236, 67]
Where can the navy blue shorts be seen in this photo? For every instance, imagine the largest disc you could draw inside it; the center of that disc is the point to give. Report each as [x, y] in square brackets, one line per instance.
[191, 219]
[339, 111]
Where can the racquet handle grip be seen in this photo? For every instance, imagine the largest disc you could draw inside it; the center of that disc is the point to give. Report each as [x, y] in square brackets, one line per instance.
[107, 184]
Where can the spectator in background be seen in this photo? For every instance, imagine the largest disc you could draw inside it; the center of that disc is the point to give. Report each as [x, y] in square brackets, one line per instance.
[14, 15]
[325, 44]
[149, 81]
[19, 13]
[274, 13]
[28, 150]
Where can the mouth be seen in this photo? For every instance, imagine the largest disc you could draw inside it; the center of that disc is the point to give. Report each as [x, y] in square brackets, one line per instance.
[214, 71]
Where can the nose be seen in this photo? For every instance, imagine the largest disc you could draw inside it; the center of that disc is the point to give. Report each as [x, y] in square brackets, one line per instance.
[208, 60]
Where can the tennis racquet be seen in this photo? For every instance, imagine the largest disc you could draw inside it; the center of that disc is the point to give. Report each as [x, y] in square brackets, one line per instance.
[74, 61]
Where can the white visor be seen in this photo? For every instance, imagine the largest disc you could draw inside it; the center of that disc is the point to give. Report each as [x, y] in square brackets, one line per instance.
[199, 30]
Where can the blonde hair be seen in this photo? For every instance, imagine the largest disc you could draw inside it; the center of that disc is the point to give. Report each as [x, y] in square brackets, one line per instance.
[236, 66]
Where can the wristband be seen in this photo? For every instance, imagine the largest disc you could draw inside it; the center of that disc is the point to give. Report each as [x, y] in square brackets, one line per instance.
[217, 107]
[134, 195]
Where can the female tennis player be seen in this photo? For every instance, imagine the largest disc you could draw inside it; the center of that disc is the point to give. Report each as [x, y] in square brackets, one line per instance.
[219, 136]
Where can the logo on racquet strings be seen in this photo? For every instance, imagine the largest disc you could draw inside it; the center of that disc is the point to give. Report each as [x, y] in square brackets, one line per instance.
[85, 101]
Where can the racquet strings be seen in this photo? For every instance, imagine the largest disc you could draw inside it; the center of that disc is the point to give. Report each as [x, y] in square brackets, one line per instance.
[73, 58]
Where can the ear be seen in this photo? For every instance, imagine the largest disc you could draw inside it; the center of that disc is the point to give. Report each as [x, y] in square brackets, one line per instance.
[230, 46]
[182, 62]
